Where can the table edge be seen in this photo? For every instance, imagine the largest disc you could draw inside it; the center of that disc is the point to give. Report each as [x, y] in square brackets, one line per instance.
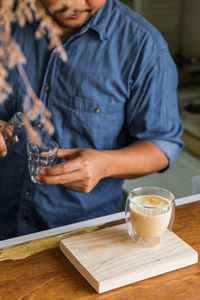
[81, 225]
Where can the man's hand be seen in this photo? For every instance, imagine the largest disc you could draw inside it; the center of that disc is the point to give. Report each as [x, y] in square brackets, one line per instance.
[81, 172]
[3, 148]
[85, 167]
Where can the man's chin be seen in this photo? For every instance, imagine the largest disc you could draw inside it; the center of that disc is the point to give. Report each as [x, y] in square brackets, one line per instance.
[70, 24]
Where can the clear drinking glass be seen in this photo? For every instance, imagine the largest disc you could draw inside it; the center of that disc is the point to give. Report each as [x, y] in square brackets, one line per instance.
[149, 212]
[40, 156]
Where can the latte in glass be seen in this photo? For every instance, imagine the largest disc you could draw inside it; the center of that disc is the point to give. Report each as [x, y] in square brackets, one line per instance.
[150, 215]
[149, 212]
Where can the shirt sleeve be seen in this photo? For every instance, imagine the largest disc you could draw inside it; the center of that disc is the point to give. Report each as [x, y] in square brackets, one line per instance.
[152, 110]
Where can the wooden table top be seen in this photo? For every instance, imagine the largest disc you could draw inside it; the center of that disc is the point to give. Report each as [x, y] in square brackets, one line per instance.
[38, 270]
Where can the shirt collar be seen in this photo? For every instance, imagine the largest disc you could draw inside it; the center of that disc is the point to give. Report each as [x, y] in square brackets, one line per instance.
[101, 20]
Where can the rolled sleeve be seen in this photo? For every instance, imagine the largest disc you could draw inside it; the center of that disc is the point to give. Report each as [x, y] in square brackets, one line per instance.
[152, 110]
[170, 149]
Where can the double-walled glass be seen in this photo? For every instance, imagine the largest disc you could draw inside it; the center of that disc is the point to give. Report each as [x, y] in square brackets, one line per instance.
[149, 212]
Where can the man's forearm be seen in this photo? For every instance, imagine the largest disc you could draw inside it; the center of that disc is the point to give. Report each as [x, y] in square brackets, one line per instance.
[138, 159]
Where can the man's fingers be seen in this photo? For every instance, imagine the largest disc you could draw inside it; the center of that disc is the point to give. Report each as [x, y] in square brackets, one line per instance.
[65, 153]
[3, 149]
[62, 168]
[62, 179]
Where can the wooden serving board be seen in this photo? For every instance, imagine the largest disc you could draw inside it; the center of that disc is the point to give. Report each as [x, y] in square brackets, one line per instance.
[108, 258]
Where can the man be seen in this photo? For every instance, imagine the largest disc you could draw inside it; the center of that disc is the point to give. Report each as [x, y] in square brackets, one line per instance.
[114, 110]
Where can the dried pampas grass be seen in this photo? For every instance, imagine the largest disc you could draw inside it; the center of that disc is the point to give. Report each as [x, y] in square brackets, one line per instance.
[11, 55]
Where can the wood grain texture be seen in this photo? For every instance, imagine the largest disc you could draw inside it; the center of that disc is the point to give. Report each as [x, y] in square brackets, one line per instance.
[109, 258]
[48, 275]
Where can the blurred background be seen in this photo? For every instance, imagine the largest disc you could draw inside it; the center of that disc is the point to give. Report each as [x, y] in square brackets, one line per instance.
[179, 23]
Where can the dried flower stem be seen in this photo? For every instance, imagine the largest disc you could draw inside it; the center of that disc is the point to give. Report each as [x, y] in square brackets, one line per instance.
[11, 55]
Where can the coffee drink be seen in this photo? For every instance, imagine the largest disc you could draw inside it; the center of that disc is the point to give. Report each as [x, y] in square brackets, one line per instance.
[150, 215]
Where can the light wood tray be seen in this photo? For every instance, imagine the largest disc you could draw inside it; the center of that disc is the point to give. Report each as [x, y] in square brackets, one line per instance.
[108, 258]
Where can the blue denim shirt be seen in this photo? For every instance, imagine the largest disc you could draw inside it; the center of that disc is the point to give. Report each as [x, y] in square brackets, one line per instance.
[118, 85]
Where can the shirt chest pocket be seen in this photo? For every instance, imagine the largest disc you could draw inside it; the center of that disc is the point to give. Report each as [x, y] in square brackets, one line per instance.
[91, 124]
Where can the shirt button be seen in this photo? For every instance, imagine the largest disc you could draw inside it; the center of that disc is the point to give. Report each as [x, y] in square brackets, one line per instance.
[97, 110]
[39, 125]
[24, 221]
[27, 193]
[47, 88]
